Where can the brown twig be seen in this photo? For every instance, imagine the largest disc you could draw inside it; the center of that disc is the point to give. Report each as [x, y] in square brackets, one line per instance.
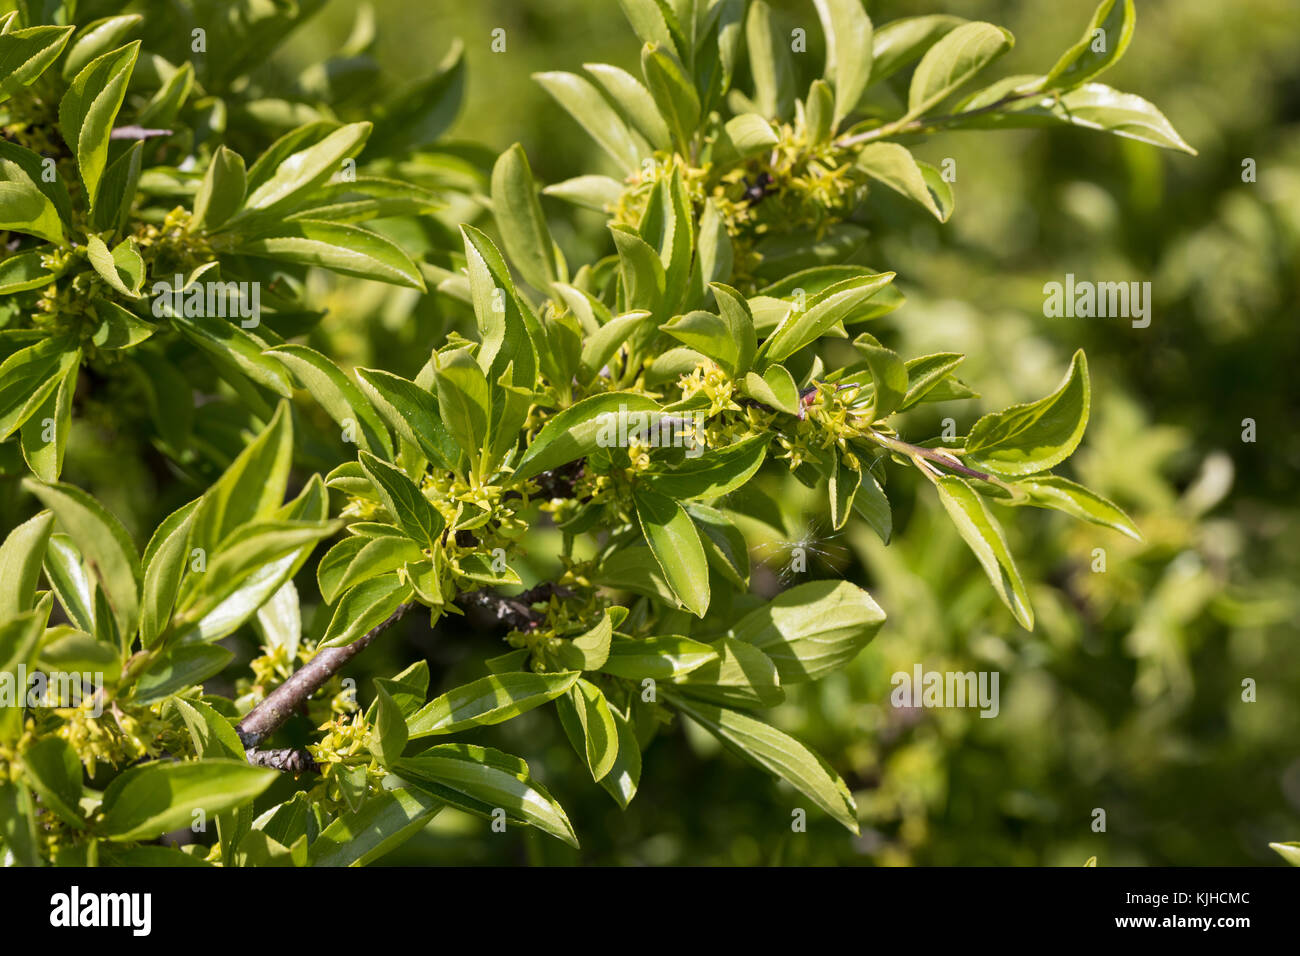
[268, 716]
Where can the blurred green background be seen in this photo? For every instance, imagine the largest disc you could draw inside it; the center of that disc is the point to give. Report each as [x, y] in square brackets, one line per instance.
[1128, 695]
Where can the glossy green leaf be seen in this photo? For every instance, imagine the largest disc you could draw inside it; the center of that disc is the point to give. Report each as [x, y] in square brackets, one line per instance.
[21, 557]
[386, 821]
[221, 193]
[1034, 437]
[1103, 43]
[585, 104]
[26, 53]
[414, 513]
[488, 700]
[519, 217]
[364, 608]
[1061, 494]
[982, 533]
[104, 542]
[848, 51]
[147, 801]
[480, 779]
[589, 725]
[812, 629]
[675, 544]
[89, 108]
[338, 247]
[656, 658]
[776, 752]
[952, 62]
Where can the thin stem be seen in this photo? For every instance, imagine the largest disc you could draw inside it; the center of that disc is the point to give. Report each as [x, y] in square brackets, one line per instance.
[921, 124]
[929, 454]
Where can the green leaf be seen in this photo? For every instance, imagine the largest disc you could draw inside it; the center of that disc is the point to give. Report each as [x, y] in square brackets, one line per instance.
[724, 545]
[675, 544]
[590, 650]
[88, 109]
[580, 429]
[1061, 494]
[164, 562]
[386, 821]
[420, 114]
[740, 675]
[29, 376]
[147, 801]
[656, 658]
[221, 193]
[649, 20]
[19, 637]
[104, 542]
[1288, 851]
[364, 608]
[825, 310]
[589, 725]
[212, 734]
[888, 376]
[302, 171]
[118, 190]
[186, 665]
[776, 752]
[673, 92]
[598, 193]
[775, 388]
[122, 268]
[24, 271]
[635, 102]
[21, 557]
[952, 62]
[26, 54]
[1111, 28]
[599, 347]
[97, 38]
[903, 41]
[24, 207]
[118, 328]
[251, 488]
[415, 514]
[713, 474]
[519, 217]
[358, 559]
[388, 737]
[625, 775]
[848, 52]
[894, 166]
[339, 247]
[745, 136]
[925, 372]
[812, 629]
[411, 412]
[489, 700]
[1025, 439]
[68, 577]
[336, 393]
[982, 533]
[18, 824]
[54, 771]
[1091, 106]
[480, 780]
[770, 62]
[463, 401]
[584, 103]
